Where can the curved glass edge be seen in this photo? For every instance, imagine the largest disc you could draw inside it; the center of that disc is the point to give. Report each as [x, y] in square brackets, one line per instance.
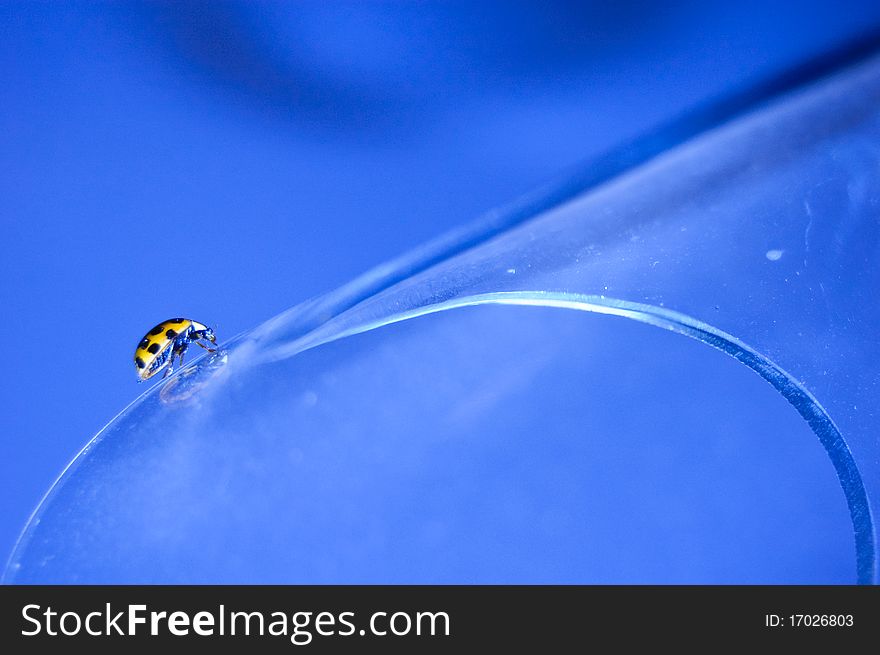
[799, 397]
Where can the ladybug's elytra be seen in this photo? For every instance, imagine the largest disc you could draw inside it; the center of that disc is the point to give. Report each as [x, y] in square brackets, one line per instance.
[168, 340]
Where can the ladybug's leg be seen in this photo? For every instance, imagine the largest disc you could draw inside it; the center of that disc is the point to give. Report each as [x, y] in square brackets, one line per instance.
[170, 368]
[177, 350]
[199, 338]
[210, 350]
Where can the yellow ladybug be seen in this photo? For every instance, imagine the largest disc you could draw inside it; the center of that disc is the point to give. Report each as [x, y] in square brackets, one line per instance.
[168, 340]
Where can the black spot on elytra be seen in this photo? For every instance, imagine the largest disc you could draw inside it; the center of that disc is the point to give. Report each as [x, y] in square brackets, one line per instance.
[171, 334]
[139, 362]
[144, 343]
[177, 320]
[154, 348]
[156, 330]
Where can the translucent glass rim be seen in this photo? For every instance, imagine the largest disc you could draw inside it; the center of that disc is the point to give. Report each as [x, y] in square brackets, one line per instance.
[810, 409]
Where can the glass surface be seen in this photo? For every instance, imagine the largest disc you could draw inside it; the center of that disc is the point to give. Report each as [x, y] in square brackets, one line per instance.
[455, 416]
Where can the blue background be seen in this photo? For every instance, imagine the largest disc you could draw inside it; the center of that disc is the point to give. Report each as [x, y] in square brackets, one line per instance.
[225, 161]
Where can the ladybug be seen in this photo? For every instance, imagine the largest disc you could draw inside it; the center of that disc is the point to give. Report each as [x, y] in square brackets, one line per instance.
[168, 340]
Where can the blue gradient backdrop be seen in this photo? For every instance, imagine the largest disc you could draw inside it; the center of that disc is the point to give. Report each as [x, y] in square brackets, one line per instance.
[227, 160]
